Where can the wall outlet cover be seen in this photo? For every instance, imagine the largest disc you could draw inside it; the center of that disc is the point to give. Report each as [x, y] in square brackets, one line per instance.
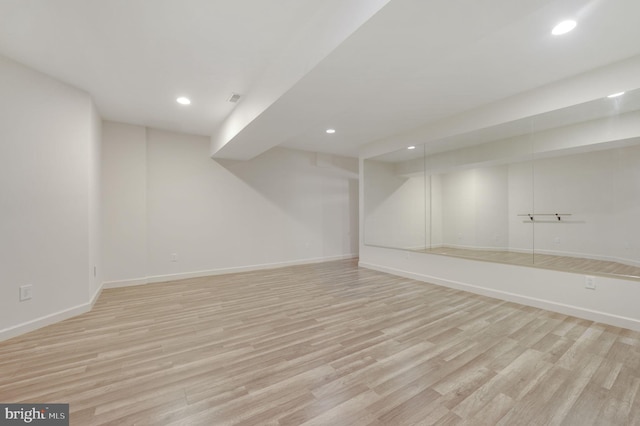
[26, 292]
[589, 282]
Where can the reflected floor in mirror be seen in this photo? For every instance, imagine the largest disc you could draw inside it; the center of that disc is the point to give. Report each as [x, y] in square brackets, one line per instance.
[561, 263]
[323, 344]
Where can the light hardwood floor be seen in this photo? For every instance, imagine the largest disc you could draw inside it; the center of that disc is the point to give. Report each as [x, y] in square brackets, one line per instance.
[325, 344]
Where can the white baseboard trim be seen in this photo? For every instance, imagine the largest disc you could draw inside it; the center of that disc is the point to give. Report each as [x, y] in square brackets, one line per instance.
[96, 295]
[53, 318]
[548, 305]
[223, 271]
[125, 283]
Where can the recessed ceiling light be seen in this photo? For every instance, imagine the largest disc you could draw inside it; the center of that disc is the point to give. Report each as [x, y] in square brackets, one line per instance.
[411, 147]
[615, 95]
[330, 131]
[564, 27]
[183, 101]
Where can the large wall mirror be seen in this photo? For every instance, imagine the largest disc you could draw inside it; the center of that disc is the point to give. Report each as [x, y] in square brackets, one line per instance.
[559, 190]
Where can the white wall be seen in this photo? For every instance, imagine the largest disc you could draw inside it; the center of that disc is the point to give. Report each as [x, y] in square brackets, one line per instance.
[521, 201]
[465, 208]
[124, 201]
[218, 216]
[435, 224]
[49, 203]
[474, 208]
[95, 204]
[395, 211]
[625, 209]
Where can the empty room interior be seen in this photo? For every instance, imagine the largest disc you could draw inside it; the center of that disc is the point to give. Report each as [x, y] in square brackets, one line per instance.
[298, 212]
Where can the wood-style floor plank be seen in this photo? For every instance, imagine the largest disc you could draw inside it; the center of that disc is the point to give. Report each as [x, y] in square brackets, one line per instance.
[323, 344]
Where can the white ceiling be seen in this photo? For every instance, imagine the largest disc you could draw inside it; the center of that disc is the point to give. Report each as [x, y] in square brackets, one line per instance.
[135, 57]
[411, 63]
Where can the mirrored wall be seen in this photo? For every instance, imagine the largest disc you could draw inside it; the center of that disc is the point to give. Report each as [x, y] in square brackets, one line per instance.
[560, 190]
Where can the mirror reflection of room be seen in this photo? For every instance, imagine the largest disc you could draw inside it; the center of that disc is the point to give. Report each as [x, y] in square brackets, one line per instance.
[560, 190]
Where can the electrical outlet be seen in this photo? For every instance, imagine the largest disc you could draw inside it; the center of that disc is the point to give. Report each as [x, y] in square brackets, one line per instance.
[556, 241]
[590, 282]
[26, 292]
[174, 257]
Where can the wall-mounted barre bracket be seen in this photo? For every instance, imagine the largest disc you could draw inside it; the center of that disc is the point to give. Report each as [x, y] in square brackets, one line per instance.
[558, 216]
